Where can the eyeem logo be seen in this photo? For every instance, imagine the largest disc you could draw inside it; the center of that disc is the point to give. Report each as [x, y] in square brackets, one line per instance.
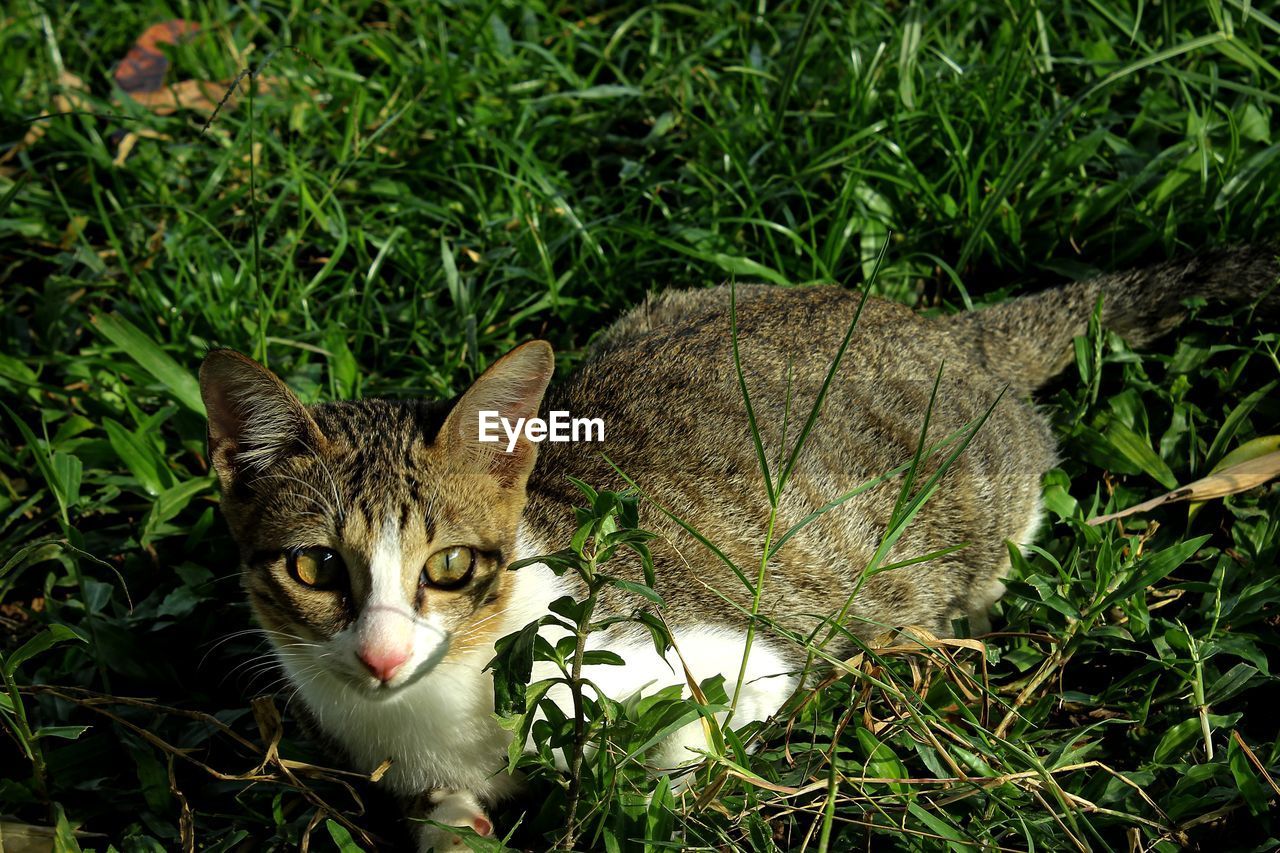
[559, 426]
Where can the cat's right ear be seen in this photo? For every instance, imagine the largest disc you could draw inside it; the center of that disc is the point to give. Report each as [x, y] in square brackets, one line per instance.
[254, 419]
[511, 390]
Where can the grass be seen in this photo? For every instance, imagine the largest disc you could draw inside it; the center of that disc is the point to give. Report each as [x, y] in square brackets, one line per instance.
[409, 193]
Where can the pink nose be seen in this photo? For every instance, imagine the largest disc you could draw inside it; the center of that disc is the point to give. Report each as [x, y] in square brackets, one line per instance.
[384, 663]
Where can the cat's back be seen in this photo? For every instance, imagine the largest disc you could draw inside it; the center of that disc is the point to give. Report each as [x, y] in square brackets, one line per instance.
[694, 328]
[665, 383]
[668, 367]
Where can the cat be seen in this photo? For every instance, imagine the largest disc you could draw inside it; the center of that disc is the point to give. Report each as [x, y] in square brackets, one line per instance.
[375, 534]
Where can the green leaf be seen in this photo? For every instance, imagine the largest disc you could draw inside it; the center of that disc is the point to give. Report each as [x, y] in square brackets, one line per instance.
[44, 461]
[1255, 794]
[147, 466]
[342, 837]
[12, 369]
[179, 603]
[660, 815]
[1238, 645]
[521, 724]
[659, 718]
[171, 502]
[637, 589]
[1060, 502]
[1151, 568]
[67, 469]
[1179, 739]
[512, 667]
[1232, 423]
[1231, 683]
[760, 833]
[64, 837]
[881, 760]
[956, 840]
[1137, 450]
[138, 345]
[874, 231]
[342, 364]
[153, 775]
[581, 535]
[64, 732]
[602, 657]
[741, 267]
[1045, 591]
[598, 92]
[46, 639]
[1257, 166]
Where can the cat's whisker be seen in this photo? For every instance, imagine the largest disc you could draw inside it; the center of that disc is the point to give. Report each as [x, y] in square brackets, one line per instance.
[259, 665]
[302, 680]
[292, 695]
[340, 512]
[264, 632]
[293, 641]
[251, 674]
[320, 498]
[270, 687]
[474, 628]
[241, 668]
[222, 642]
[270, 654]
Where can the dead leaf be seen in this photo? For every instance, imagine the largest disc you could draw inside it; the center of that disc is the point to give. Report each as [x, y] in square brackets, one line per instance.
[141, 75]
[203, 96]
[26, 838]
[144, 66]
[72, 232]
[1251, 449]
[1229, 481]
[71, 97]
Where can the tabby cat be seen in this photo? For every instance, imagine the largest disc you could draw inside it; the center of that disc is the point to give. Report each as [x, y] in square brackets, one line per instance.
[376, 534]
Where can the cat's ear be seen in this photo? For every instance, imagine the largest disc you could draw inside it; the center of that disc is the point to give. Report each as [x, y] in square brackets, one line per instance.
[254, 419]
[512, 388]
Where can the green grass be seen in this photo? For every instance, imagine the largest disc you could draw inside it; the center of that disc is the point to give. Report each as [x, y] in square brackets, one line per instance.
[411, 192]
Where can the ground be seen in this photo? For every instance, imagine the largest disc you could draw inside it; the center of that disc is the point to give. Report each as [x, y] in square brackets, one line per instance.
[408, 192]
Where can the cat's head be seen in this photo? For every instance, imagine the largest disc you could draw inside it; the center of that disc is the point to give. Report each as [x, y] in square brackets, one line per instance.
[374, 534]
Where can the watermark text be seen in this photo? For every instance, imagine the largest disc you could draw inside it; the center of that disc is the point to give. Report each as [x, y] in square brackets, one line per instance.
[558, 426]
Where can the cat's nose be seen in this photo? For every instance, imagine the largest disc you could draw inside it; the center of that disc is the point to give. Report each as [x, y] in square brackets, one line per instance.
[384, 662]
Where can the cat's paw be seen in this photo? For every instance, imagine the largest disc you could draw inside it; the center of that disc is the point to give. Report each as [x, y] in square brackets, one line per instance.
[452, 808]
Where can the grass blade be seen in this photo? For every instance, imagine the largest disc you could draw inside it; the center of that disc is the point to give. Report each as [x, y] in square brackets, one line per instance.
[138, 345]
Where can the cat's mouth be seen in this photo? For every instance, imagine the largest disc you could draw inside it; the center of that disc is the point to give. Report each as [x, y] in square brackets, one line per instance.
[338, 663]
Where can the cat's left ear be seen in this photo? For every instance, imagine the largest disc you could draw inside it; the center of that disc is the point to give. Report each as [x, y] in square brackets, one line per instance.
[254, 419]
[511, 389]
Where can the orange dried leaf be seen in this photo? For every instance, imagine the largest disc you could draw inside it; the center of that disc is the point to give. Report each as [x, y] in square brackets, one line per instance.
[144, 66]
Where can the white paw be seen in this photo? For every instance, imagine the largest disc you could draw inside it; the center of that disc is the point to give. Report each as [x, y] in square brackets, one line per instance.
[453, 808]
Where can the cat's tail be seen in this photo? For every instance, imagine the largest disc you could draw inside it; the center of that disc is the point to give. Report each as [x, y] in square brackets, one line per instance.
[1028, 341]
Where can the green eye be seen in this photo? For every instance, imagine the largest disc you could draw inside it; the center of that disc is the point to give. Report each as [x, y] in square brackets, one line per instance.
[319, 568]
[449, 568]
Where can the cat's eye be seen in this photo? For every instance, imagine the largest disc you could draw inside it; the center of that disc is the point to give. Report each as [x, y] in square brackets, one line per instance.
[449, 568]
[320, 568]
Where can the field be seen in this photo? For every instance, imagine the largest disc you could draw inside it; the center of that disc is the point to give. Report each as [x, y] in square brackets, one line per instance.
[397, 194]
